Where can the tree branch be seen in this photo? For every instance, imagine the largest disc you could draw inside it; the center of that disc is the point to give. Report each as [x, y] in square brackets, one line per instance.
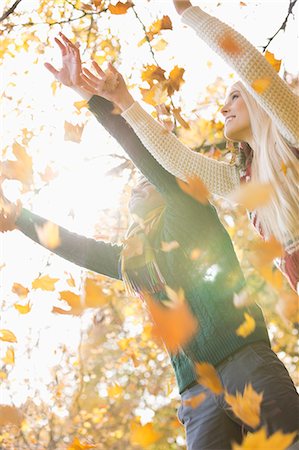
[283, 25]
[10, 10]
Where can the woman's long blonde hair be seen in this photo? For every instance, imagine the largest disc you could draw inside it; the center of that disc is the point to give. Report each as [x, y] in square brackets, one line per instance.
[274, 162]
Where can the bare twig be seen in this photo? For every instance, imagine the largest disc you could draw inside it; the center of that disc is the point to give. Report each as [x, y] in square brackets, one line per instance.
[10, 10]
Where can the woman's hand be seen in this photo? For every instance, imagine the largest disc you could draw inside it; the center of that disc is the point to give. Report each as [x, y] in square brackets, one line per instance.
[71, 70]
[9, 212]
[109, 84]
[181, 5]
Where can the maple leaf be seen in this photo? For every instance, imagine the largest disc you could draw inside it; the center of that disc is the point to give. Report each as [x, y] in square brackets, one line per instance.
[229, 44]
[275, 63]
[156, 95]
[247, 327]
[120, 8]
[48, 235]
[260, 441]
[94, 295]
[23, 309]
[208, 377]
[20, 290]
[10, 415]
[273, 276]
[21, 169]
[246, 406]
[143, 435]
[115, 391]
[161, 24]
[196, 400]
[288, 306]
[46, 283]
[252, 195]
[81, 104]
[73, 132]
[7, 336]
[263, 252]
[175, 80]
[260, 85]
[77, 445]
[195, 188]
[152, 73]
[9, 357]
[73, 300]
[48, 175]
[175, 324]
[169, 246]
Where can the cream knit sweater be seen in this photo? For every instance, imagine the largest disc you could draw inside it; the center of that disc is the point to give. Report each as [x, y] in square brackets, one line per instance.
[278, 100]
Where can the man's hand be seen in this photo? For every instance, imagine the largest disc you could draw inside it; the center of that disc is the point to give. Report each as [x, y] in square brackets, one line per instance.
[181, 5]
[9, 212]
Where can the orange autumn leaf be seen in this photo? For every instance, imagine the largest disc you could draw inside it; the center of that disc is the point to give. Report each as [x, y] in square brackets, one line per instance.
[161, 24]
[73, 300]
[288, 306]
[152, 73]
[196, 400]
[169, 246]
[155, 95]
[93, 294]
[247, 327]
[81, 104]
[243, 4]
[275, 63]
[48, 235]
[9, 357]
[10, 415]
[7, 336]
[260, 85]
[252, 195]
[73, 132]
[120, 8]
[260, 441]
[175, 80]
[263, 252]
[23, 309]
[208, 377]
[20, 290]
[46, 283]
[272, 276]
[21, 169]
[177, 114]
[196, 189]
[284, 168]
[195, 254]
[115, 391]
[229, 44]
[246, 406]
[174, 324]
[78, 445]
[143, 435]
[48, 175]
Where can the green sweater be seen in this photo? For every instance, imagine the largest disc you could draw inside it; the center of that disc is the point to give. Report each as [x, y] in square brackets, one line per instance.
[209, 282]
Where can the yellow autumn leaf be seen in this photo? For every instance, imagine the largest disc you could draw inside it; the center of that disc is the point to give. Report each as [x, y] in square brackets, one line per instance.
[275, 63]
[252, 195]
[260, 441]
[73, 132]
[23, 309]
[73, 300]
[78, 445]
[120, 8]
[246, 406]
[7, 336]
[94, 295]
[195, 254]
[46, 283]
[288, 306]
[169, 246]
[196, 400]
[3, 375]
[196, 188]
[20, 290]
[160, 45]
[260, 85]
[10, 415]
[263, 252]
[81, 104]
[48, 235]
[272, 276]
[143, 435]
[115, 391]
[247, 327]
[208, 377]
[175, 79]
[9, 357]
[152, 73]
[155, 95]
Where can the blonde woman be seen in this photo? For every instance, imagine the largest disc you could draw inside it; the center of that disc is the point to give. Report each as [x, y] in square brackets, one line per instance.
[265, 125]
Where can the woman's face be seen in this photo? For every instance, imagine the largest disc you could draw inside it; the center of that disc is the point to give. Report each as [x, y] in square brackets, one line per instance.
[237, 123]
[144, 198]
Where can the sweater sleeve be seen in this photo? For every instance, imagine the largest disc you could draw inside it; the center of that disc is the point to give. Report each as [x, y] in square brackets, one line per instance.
[98, 256]
[278, 100]
[219, 177]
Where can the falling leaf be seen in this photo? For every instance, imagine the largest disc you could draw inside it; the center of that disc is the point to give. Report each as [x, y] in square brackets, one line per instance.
[77, 445]
[3, 376]
[73, 132]
[20, 290]
[10, 415]
[169, 246]
[48, 235]
[160, 45]
[46, 283]
[275, 63]
[9, 357]
[94, 295]
[143, 435]
[252, 195]
[161, 24]
[263, 252]
[247, 327]
[208, 377]
[75, 302]
[288, 306]
[23, 309]
[243, 4]
[152, 73]
[120, 8]
[260, 85]
[196, 400]
[175, 80]
[195, 254]
[229, 44]
[81, 104]
[21, 169]
[196, 189]
[7, 336]
[71, 281]
[246, 406]
[156, 95]
[260, 441]
[54, 86]
[272, 275]
[48, 175]
[175, 325]
[115, 391]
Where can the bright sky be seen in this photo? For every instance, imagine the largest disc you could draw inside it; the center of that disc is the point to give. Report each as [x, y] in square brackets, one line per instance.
[83, 185]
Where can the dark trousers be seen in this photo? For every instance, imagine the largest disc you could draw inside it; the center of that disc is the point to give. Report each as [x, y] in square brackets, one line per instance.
[212, 425]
